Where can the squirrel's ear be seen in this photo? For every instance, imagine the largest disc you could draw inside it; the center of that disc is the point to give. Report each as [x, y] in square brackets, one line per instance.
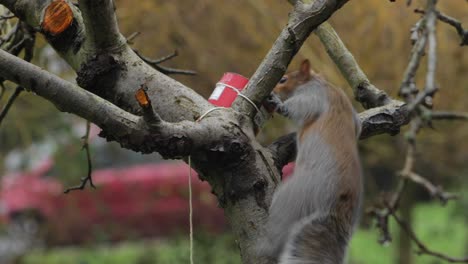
[305, 67]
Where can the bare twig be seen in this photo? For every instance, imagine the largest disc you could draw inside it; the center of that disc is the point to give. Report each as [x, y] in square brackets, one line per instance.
[407, 171]
[445, 115]
[453, 22]
[155, 62]
[166, 70]
[408, 88]
[415, 32]
[382, 213]
[434, 191]
[88, 177]
[6, 17]
[132, 37]
[431, 88]
[163, 59]
[10, 34]
[22, 38]
[2, 88]
[422, 248]
[9, 103]
[391, 202]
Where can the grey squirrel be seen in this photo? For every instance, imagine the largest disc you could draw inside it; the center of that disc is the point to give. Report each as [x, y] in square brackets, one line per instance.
[313, 213]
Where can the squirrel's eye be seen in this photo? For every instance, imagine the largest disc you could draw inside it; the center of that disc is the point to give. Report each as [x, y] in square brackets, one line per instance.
[283, 79]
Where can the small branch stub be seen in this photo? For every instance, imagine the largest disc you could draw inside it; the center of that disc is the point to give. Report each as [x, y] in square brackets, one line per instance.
[142, 98]
[151, 117]
[58, 16]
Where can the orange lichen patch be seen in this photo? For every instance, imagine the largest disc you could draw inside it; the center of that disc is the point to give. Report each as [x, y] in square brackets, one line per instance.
[58, 16]
[142, 97]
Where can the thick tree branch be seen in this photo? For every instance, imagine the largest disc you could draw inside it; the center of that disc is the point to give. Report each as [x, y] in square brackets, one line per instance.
[102, 30]
[284, 150]
[172, 140]
[365, 93]
[66, 96]
[385, 119]
[391, 115]
[303, 20]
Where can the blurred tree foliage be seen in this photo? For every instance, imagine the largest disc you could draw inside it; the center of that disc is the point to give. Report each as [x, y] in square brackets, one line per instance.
[214, 37]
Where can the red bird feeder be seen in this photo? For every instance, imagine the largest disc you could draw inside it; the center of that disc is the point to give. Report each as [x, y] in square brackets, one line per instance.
[227, 89]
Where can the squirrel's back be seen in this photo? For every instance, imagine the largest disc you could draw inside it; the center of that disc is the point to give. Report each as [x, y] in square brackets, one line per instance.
[313, 213]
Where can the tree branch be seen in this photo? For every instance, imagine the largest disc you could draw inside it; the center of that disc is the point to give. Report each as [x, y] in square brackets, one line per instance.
[445, 115]
[365, 93]
[303, 20]
[165, 70]
[171, 140]
[10, 102]
[88, 177]
[422, 248]
[149, 115]
[284, 150]
[408, 88]
[453, 22]
[430, 88]
[385, 119]
[101, 25]
[66, 96]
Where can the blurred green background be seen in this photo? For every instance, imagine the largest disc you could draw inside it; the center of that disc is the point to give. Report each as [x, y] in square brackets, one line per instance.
[439, 227]
[214, 37]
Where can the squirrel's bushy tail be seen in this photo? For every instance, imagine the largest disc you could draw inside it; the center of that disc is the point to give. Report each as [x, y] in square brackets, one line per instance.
[316, 240]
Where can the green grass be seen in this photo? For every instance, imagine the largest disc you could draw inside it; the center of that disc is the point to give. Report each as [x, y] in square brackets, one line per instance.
[207, 250]
[440, 228]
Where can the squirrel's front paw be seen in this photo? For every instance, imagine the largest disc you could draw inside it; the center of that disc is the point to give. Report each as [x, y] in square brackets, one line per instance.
[272, 103]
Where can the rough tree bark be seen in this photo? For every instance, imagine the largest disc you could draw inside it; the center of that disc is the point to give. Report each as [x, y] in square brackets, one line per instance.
[222, 146]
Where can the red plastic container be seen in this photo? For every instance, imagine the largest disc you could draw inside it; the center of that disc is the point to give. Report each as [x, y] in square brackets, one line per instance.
[225, 92]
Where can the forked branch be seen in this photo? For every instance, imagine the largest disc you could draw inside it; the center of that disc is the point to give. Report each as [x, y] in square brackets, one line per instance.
[88, 177]
[306, 16]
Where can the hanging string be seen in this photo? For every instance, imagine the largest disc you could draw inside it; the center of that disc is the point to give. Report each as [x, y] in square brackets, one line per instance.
[190, 189]
[190, 165]
[190, 209]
